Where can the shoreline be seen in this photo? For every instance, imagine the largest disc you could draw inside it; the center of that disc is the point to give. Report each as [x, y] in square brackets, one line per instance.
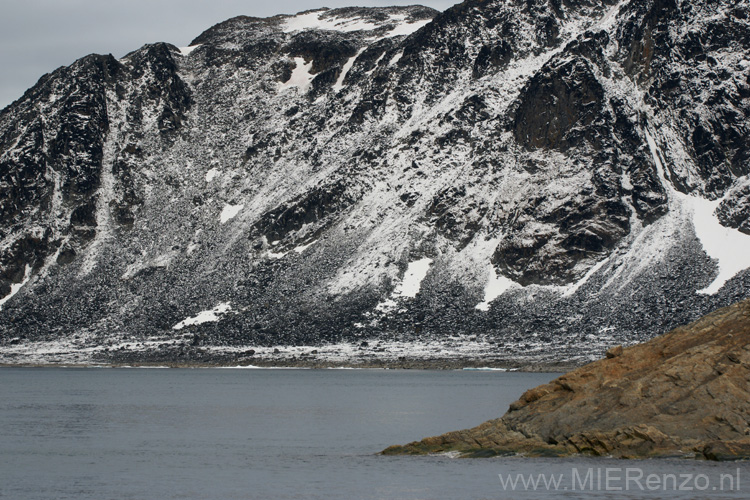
[429, 354]
[684, 393]
[435, 364]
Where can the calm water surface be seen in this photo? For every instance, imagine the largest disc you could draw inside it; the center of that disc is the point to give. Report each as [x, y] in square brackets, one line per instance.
[282, 434]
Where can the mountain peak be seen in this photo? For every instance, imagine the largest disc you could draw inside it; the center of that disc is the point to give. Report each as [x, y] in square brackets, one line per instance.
[381, 21]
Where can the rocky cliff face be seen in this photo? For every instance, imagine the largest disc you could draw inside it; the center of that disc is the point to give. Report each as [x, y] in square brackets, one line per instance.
[684, 394]
[539, 178]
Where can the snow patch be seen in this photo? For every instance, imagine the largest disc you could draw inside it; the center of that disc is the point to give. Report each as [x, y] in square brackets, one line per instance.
[396, 58]
[484, 369]
[230, 212]
[301, 76]
[495, 287]
[409, 286]
[210, 316]
[211, 174]
[412, 282]
[345, 70]
[302, 248]
[276, 255]
[626, 183]
[185, 51]
[572, 289]
[16, 287]
[375, 66]
[727, 246]
[607, 22]
[407, 28]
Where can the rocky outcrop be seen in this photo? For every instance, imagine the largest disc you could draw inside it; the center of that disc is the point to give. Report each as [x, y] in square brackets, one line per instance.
[686, 393]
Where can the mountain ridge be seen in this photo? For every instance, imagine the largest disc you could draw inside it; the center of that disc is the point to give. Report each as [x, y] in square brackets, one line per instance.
[533, 152]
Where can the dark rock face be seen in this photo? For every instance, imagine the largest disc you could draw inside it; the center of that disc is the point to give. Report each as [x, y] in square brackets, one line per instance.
[305, 212]
[673, 57]
[559, 108]
[492, 58]
[735, 210]
[685, 393]
[292, 168]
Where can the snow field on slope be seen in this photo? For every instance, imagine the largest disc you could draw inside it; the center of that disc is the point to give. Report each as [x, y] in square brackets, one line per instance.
[209, 316]
[728, 247]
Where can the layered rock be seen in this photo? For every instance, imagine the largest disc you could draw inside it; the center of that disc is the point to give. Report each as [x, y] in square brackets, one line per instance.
[686, 393]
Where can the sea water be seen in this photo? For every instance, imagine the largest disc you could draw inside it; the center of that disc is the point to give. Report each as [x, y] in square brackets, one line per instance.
[287, 434]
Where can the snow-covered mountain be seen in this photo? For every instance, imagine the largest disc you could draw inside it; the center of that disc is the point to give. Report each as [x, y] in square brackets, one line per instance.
[533, 179]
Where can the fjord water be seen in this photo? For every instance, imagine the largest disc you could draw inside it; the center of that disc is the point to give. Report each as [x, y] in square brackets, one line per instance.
[272, 434]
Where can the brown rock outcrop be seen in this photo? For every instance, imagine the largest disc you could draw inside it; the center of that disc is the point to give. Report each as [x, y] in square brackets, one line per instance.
[685, 393]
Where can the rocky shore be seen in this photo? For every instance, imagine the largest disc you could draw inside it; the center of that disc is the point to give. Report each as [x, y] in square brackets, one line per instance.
[683, 394]
[447, 353]
[318, 364]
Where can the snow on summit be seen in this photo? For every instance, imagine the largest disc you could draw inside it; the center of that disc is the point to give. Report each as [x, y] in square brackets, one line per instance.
[318, 20]
[185, 51]
[327, 20]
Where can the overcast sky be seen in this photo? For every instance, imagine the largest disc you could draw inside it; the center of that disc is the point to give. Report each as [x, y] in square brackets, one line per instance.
[38, 36]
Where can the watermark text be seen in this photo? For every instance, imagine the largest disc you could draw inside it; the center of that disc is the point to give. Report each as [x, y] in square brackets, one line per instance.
[621, 479]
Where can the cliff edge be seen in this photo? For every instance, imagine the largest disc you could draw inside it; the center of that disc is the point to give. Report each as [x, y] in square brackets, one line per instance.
[685, 393]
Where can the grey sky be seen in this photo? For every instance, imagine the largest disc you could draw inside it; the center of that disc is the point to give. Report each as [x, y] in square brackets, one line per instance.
[38, 36]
